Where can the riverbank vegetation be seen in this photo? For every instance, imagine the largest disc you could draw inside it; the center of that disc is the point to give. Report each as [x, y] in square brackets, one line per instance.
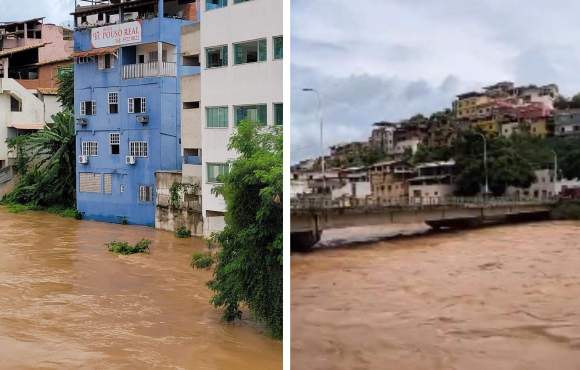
[568, 210]
[182, 232]
[201, 260]
[249, 263]
[56, 210]
[124, 248]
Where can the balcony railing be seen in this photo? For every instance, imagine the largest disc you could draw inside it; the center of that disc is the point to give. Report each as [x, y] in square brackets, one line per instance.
[151, 69]
[192, 159]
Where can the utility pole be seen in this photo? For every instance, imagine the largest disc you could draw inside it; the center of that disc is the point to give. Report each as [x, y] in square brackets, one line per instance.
[322, 160]
[485, 162]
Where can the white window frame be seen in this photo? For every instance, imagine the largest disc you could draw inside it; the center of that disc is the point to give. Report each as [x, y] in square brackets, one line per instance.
[108, 190]
[131, 105]
[112, 98]
[101, 61]
[139, 149]
[84, 107]
[114, 139]
[85, 60]
[208, 164]
[90, 148]
[145, 190]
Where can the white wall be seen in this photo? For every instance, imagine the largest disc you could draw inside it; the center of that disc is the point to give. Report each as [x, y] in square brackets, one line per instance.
[430, 194]
[255, 83]
[32, 110]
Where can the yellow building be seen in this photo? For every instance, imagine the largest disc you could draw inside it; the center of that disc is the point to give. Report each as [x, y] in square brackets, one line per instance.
[490, 127]
[539, 127]
[467, 105]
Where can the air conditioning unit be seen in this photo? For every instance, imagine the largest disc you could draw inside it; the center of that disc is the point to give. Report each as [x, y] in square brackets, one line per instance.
[130, 159]
[83, 159]
[82, 121]
[143, 118]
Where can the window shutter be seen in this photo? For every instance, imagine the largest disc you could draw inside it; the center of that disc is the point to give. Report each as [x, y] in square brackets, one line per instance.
[262, 50]
[131, 105]
[262, 114]
[143, 105]
[94, 107]
[101, 62]
[224, 53]
[238, 54]
[83, 109]
[223, 117]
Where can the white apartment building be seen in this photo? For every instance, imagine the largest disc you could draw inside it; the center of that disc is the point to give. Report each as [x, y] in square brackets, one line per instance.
[241, 78]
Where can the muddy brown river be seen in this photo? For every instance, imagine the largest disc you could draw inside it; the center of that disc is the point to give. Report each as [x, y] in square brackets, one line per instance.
[505, 297]
[67, 303]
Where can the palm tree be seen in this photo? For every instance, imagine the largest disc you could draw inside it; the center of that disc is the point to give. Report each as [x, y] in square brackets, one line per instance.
[48, 176]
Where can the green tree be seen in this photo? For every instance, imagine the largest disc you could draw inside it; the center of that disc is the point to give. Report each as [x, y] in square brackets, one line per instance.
[47, 165]
[249, 265]
[506, 165]
[575, 101]
[561, 103]
[66, 95]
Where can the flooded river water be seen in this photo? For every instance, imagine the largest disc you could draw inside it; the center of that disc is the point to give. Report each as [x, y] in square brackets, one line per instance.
[505, 297]
[67, 303]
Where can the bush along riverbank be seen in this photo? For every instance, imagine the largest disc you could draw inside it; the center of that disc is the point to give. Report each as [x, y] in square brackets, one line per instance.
[567, 210]
[61, 211]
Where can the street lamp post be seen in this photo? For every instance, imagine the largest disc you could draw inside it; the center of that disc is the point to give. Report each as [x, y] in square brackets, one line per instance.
[485, 162]
[555, 170]
[322, 161]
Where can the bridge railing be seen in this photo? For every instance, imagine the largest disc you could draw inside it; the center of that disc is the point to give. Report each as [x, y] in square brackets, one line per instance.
[325, 202]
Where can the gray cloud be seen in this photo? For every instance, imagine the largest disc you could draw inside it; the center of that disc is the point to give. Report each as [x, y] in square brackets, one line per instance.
[390, 59]
[55, 11]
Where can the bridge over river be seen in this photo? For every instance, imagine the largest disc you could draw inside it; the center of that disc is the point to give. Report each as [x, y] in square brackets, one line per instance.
[311, 215]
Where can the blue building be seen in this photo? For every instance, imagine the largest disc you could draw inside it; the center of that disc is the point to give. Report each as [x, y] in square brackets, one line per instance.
[127, 103]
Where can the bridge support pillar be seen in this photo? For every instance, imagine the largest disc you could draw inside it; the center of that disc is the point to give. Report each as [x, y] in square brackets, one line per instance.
[304, 241]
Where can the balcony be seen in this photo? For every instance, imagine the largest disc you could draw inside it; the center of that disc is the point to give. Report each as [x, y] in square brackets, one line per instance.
[191, 159]
[150, 69]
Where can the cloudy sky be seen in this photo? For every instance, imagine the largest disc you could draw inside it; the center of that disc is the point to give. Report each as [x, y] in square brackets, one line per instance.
[55, 11]
[389, 59]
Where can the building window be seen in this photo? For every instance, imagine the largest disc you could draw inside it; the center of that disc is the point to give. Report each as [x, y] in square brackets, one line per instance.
[145, 193]
[138, 148]
[88, 108]
[278, 47]
[191, 60]
[250, 52]
[216, 170]
[215, 4]
[105, 61]
[252, 113]
[90, 148]
[190, 105]
[89, 182]
[278, 114]
[216, 56]
[15, 104]
[108, 183]
[85, 60]
[113, 102]
[115, 142]
[137, 105]
[216, 117]
[240, 1]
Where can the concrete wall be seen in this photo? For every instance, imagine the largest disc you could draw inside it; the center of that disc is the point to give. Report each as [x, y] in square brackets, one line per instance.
[58, 48]
[187, 214]
[254, 83]
[429, 194]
